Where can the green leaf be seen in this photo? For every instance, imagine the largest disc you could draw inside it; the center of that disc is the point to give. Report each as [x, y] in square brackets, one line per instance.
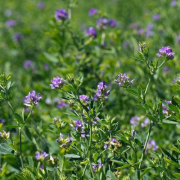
[177, 175]
[170, 122]
[152, 118]
[118, 162]
[125, 166]
[145, 171]
[171, 162]
[133, 92]
[110, 175]
[18, 118]
[173, 108]
[72, 156]
[5, 149]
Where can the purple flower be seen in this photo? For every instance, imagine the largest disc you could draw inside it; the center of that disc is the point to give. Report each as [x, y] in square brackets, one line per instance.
[93, 11]
[1, 121]
[140, 31]
[149, 33]
[125, 44]
[46, 66]
[61, 105]
[166, 70]
[156, 17]
[123, 80]
[84, 98]
[133, 26]
[151, 145]
[41, 167]
[145, 123]
[61, 14]
[28, 64]
[41, 156]
[41, 5]
[95, 120]
[135, 121]
[150, 26]
[165, 110]
[105, 146]
[32, 99]
[91, 31]
[178, 39]
[17, 37]
[112, 23]
[102, 23]
[57, 82]
[166, 52]
[10, 23]
[79, 125]
[102, 91]
[173, 3]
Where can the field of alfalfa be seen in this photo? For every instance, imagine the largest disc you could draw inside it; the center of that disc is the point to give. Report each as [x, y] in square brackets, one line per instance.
[89, 90]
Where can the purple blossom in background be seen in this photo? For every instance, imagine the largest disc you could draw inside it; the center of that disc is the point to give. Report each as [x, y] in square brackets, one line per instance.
[61, 105]
[112, 23]
[105, 146]
[149, 33]
[93, 11]
[151, 145]
[61, 14]
[145, 123]
[156, 17]
[41, 167]
[135, 121]
[166, 52]
[10, 23]
[91, 31]
[102, 91]
[95, 120]
[1, 121]
[123, 80]
[125, 44]
[46, 66]
[173, 3]
[41, 5]
[41, 156]
[57, 82]
[165, 110]
[84, 98]
[178, 39]
[140, 31]
[17, 37]
[102, 23]
[29, 63]
[166, 70]
[133, 26]
[150, 26]
[32, 98]
[8, 12]
[79, 125]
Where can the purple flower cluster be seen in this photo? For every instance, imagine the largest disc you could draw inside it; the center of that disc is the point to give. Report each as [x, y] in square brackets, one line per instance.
[151, 145]
[61, 105]
[165, 110]
[64, 142]
[95, 120]
[41, 156]
[29, 63]
[32, 99]
[156, 17]
[135, 121]
[84, 98]
[93, 11]
[97, 167]
[145, 123]
[123, 80]
[57, 82]
[112, 144]
[91, 32]
[17, 37]
[102, 92]
[166, 52]
[61, 14]
[79, 125]
[149, 31]
[173, 3]
[10, 23]
[102, 23]
[41, 5]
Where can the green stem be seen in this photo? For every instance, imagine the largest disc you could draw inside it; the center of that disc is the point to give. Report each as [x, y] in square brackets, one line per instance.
[144, 148]
[20, 148]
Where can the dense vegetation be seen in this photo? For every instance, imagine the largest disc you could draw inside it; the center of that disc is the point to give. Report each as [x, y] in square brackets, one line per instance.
[89, 90]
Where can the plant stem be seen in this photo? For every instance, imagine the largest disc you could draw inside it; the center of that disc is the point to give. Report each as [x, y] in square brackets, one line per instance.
[20, 148]
[144, 149]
